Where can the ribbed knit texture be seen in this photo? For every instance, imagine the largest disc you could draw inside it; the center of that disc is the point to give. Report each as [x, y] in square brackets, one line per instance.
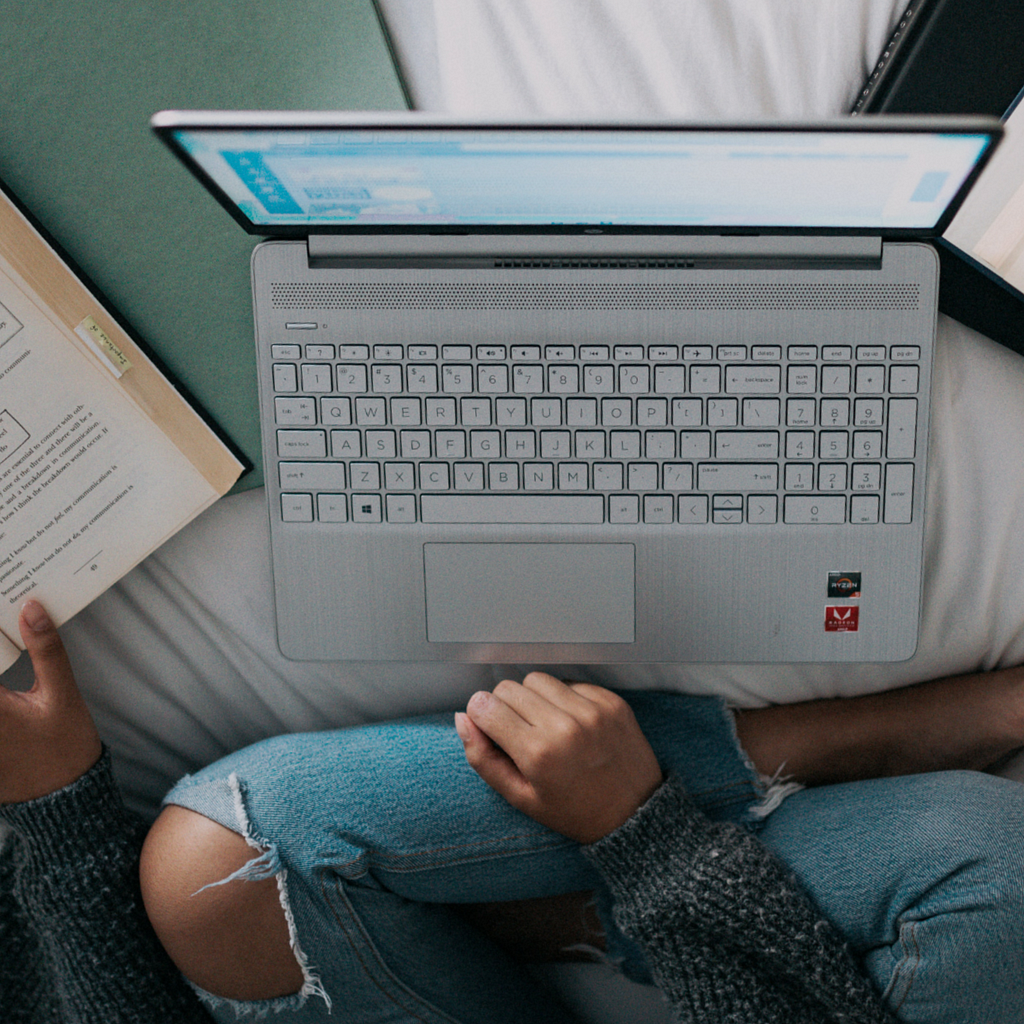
[25, 988]
[730, 936]
[75, 942]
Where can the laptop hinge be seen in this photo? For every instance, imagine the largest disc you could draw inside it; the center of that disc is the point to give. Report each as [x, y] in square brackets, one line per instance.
[574, 250]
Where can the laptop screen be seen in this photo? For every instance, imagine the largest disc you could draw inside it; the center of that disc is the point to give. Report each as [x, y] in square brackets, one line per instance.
[384, 177]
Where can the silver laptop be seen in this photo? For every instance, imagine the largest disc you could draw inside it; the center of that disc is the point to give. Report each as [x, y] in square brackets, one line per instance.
[589, 392]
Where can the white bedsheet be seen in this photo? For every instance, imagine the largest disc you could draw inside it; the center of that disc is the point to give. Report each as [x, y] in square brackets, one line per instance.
[637, 58]
[179, 661]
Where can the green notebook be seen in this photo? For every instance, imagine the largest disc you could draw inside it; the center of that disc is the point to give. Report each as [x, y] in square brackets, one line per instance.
[78, 84]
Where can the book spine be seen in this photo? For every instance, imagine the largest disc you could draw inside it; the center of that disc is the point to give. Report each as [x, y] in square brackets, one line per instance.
[895, 55]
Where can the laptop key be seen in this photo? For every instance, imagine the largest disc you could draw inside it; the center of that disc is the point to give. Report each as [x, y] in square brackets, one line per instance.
[297, 508]
[693, 508]
[302, 444]
[512, 508]
[624, 509]
[314, 475]
[658, 508]
[814, 509]
[366, 508]
[746, 444]
[401, 508]
[745, 476]
[331, 508]
[899, 492]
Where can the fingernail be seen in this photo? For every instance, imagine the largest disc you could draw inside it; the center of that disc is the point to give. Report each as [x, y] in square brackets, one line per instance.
[460, 726]
[35, 616]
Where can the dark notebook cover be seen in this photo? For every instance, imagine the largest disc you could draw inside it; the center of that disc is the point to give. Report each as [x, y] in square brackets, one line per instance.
[957, 57]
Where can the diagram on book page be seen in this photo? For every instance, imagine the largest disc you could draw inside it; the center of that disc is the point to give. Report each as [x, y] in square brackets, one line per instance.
[9, 325]
[88, 483]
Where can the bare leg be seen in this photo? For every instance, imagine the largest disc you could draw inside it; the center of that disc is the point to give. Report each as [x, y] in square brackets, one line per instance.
[969, 721]
[231, 940]
[540, 930]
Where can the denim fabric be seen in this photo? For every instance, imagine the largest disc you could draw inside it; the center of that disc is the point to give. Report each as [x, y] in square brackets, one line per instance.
[924, 876]
[371, 831]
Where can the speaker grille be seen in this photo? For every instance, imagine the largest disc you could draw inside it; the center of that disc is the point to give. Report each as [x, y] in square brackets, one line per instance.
[595, 264]
[585, 295]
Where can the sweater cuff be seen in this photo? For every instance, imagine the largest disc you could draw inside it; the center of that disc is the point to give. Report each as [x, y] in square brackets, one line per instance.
[89, 810]
[669, 821]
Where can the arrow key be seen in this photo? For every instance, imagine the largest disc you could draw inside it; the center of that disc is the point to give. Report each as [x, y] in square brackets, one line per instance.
[693, 508]
[762, 508]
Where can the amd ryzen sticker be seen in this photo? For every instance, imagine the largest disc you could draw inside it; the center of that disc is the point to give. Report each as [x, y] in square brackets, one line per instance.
[841, 618]
[844, 584]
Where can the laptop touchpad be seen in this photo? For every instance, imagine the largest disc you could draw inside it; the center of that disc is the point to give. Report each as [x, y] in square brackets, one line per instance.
[530, 593]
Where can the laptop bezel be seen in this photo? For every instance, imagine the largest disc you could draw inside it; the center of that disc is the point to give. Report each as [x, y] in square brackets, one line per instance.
[166, 123]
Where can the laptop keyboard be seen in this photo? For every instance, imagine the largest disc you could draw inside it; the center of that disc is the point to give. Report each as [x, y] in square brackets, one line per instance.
[589, 434]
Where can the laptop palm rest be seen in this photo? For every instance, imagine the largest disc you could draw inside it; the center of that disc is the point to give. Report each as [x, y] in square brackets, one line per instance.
[530, 593]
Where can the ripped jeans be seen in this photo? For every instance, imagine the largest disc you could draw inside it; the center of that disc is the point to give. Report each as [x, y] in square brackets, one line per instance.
[372, 831]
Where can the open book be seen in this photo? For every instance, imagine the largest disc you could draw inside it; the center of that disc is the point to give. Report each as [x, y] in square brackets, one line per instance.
[101, 459]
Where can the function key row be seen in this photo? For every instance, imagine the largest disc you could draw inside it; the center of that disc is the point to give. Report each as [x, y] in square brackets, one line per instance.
[655, 353]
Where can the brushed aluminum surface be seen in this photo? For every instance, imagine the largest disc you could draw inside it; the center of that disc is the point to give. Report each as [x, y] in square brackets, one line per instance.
[703, 593]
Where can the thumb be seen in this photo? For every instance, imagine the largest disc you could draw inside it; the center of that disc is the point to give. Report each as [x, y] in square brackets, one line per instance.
[49, 659]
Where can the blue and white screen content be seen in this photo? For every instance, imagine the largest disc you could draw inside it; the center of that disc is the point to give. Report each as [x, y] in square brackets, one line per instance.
[564, 178]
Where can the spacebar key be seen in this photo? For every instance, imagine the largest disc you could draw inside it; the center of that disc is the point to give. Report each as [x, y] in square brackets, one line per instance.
[511, 508]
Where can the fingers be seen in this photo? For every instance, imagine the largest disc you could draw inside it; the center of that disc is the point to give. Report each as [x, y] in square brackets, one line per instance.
[49, 659]
[571, 756]
[539, 693]
[513, 713]
[491, 763]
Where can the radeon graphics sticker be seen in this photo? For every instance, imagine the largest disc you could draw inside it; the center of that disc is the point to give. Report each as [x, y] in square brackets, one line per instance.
[841, 618]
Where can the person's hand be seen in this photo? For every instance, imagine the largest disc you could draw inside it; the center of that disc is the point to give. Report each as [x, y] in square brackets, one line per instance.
[47, 736]
[570, 756]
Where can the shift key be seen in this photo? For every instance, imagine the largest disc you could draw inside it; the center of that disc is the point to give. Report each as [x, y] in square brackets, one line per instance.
[317, 476]
[744, 476]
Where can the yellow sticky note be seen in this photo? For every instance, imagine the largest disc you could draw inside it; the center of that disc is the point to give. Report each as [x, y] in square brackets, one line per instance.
[96, 338]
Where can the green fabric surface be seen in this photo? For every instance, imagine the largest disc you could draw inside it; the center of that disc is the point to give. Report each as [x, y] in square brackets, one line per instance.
[78, 84]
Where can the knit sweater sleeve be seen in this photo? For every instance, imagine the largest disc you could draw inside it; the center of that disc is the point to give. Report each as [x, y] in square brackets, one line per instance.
[25, 996]
[728, 932]
[76, 882]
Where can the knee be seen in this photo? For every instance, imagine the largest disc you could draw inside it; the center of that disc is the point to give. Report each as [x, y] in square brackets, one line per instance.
[974, 827]
[232, 939]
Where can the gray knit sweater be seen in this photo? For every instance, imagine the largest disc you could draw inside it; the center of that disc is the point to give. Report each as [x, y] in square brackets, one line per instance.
[75, 944]
[730, 937]
[728, 933]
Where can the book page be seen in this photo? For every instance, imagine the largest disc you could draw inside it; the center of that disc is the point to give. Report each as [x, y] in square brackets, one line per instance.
[89, 485]
[990, 224]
